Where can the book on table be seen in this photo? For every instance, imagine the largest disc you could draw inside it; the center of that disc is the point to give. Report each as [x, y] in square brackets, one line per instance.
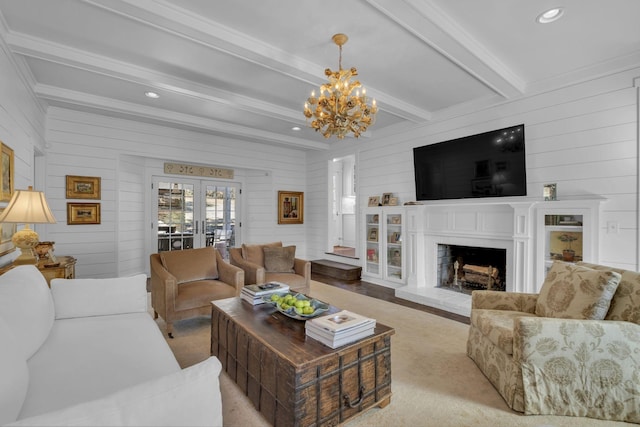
[253, 294]
[340, 328]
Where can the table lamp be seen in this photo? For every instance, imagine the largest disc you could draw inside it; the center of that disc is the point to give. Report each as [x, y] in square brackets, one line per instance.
[28, 207]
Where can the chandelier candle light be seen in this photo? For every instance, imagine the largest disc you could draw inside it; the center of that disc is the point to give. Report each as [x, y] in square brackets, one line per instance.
[28, 207]
[338, 110]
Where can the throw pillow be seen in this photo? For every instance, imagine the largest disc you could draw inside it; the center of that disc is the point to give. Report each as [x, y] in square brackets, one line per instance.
[279, 260]
[191, 264]
[576, 292]
[255, 254]
[99, 297]
[27, 307]
[14, 376]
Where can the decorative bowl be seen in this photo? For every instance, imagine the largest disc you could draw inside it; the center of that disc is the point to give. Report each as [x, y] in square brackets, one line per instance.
[291, 311]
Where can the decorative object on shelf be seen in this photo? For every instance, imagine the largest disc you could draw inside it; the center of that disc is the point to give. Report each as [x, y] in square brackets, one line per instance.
[566, 252]
[43, 249]
[549, 192]
[6, 173]
[28, 207]
[83, 187]
[374, 200]
[290, 207]
[386, 199]
[393, 201]
[373, 235]
[83, 213]
[337, 110]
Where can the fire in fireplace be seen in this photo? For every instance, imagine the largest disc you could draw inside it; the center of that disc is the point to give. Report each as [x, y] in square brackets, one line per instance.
[465, 268]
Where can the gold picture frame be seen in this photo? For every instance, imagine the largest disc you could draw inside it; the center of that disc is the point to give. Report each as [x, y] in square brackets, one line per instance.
[386, 198]
[83, 213]
[83, 187]
[6, 173]
[290, 207]
[7, 230]
[374, 200]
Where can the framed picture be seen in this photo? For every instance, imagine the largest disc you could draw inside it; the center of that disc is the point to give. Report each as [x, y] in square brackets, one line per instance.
[6, 173]
[374, 200]
[83, 213]
[373, 235]
[290, 207]
[386, 198]
[83, 187]
[393, 201]
[7, 230]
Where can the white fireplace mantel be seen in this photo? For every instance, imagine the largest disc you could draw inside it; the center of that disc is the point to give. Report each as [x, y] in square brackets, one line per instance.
[514, 224]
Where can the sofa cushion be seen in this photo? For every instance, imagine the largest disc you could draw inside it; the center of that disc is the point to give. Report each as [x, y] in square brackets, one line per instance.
[99, 297]
[94, 357]
[497, 326]
[26, 306]
[624, 305]
[279, 260]
[572, 291]
[255, 253]
[14, 376]
[188, 397]
[191, 264]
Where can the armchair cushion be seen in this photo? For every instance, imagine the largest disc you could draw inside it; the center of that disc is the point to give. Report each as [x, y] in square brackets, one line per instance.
[279, 259]
[576, 292]
[255, 253]
[187, 266]
[497, 326]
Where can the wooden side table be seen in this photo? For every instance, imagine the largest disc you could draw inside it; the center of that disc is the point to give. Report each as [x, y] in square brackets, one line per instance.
[65, 268]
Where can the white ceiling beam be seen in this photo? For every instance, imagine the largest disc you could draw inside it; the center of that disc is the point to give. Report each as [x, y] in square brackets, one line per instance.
[170, 18]
[82, 99]
[432, 26]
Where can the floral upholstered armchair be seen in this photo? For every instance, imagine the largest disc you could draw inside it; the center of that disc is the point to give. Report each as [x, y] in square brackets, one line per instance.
[573, 349]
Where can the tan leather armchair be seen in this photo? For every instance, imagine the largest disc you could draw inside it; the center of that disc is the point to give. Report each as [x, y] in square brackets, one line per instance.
[251, 259]
[183, 283]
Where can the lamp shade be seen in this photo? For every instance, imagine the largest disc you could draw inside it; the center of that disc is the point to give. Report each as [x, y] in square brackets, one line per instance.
[29, 207]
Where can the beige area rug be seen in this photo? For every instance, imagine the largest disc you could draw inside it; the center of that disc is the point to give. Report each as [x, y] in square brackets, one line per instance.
[434, 383]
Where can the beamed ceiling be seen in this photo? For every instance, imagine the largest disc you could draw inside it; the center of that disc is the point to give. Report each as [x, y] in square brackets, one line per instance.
[243, 68]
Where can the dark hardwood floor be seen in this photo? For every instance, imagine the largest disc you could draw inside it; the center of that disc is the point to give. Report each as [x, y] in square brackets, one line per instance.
[384, 293]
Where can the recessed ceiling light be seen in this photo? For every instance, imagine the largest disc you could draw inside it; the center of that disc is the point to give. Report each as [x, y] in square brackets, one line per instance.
[550, 15]
[151, 95]
[296, 128]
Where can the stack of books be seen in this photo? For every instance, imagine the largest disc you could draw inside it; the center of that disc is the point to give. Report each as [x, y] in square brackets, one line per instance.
[341, 328]
[254, 294]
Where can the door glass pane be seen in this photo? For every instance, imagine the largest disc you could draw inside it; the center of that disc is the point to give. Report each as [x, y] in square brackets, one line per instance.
[220, 217]
[175, 216]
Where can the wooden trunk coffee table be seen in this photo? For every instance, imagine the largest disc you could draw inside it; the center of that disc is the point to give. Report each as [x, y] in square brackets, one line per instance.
[294, 380]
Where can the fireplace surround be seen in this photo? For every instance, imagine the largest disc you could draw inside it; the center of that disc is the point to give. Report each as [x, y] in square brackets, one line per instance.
[515, 225]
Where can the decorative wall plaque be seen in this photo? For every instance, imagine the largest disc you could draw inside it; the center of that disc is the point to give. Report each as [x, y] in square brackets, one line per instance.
[196, 170]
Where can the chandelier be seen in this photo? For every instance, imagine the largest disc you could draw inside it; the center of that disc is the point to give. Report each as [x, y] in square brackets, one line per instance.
[341, 106]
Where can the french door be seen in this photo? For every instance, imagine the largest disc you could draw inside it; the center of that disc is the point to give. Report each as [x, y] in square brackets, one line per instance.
[193, 213]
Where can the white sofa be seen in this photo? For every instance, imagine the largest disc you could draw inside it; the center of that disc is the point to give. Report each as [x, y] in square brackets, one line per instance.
[87, 352]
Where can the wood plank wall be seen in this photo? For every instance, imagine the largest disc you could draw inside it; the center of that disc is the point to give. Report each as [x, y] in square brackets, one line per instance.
[582, 137]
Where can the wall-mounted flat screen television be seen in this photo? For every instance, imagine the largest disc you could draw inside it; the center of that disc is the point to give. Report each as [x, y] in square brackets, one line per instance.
[489, 164]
